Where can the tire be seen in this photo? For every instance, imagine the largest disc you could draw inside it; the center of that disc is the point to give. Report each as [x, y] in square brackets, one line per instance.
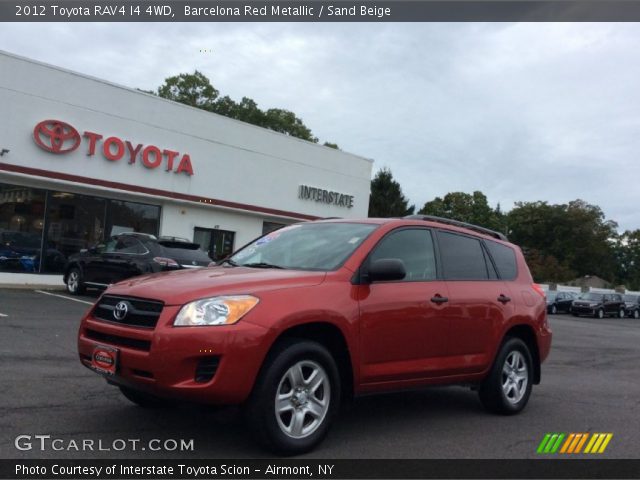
[636, 314]
[622, 313]
[507, 388]
[574, 314]
[599, 314]
[554, 309]
[74, 282]
[145, 400]
[305, 375]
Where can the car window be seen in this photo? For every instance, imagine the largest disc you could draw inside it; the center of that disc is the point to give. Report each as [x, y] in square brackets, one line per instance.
[305, 246]
[462, 257]
[504, 258]
[129, 245]
[414, 247]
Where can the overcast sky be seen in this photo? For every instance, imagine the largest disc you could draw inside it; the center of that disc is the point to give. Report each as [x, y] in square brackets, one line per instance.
[522, 112]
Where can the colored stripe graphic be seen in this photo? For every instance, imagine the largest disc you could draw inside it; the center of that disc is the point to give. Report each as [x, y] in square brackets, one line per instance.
[573, 443]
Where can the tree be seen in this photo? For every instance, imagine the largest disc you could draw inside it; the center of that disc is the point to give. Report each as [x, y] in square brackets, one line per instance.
[190, 89]
[576, 235]
[627, 252]
[387, 199]
[196, 90]
[331, 145]
[471, 208]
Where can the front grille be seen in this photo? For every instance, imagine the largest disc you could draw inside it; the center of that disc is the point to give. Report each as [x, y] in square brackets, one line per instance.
[139, 312]
[118, 340]
[206, 369]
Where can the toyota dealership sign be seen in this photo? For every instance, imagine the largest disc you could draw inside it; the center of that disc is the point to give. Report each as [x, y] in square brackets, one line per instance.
[59, 137]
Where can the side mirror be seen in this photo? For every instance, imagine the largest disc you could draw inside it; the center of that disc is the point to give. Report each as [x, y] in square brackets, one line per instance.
[387, 269]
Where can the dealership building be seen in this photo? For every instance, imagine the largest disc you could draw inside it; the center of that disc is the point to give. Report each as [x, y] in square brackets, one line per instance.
[82, 159]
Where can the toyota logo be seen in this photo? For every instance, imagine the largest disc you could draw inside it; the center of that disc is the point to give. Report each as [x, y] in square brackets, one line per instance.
[56, 137]
[121, 310]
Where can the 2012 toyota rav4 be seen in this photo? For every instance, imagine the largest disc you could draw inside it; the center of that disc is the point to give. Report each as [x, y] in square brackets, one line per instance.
[315, 313]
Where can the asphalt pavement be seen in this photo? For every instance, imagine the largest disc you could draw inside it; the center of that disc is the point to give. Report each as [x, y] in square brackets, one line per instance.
[590, 383]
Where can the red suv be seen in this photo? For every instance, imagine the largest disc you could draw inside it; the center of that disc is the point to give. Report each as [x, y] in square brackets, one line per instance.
[315, 313]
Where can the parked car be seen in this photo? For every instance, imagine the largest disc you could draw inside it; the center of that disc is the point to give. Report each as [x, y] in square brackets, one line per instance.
[599, 305]
[632, 305]
[21, 251]
[559, 302]
[315, 313]
[128, 255]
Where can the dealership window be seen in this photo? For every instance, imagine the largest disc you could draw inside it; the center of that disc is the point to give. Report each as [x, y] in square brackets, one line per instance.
[21, 227]
[132, 217]
[268, 227]
[217, 243]
[62, 223]
[73, 222]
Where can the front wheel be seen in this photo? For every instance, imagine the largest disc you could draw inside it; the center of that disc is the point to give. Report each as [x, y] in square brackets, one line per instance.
[600, 314]
[636, 314]
[507, 388]
[622, 313]
[554, 309]
[295, 397]
[74, 282]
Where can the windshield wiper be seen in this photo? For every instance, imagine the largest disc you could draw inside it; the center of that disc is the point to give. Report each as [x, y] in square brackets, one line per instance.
[262, 265]
[229, 261]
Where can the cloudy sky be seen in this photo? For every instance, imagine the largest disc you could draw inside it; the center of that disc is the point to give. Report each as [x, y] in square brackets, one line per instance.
[522, 112]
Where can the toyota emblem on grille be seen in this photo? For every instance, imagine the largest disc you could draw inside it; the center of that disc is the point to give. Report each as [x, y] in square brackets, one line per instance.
[56, 137]
[120, 311]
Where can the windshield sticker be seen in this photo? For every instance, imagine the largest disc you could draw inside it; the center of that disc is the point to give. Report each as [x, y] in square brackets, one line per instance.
[245, 253]
[354, 240]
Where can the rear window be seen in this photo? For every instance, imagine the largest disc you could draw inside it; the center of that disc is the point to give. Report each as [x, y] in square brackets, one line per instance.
[462, 257]
[504, 258]
[181, 254]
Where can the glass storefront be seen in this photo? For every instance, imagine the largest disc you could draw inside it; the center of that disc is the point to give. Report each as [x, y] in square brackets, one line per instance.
[217, 243]
[61, 224]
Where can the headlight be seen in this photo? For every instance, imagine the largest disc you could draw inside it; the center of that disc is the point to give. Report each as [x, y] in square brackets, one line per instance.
[215, 311]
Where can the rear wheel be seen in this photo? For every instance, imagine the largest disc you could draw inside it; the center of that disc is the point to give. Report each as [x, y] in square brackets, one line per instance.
[74, 282]
[145, 400]
[554, 309]
[621, 313]
[507, 388]
[599, 313]
[295, 398]
[636, 314]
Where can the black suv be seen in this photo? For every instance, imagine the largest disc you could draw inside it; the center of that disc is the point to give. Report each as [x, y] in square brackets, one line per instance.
[559, 302]
[599, 305]
[127, 255]
[632, 305]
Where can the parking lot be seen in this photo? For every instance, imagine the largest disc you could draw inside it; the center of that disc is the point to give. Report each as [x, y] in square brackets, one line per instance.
[589, 384]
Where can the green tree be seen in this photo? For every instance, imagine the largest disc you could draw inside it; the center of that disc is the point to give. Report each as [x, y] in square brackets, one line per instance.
[627, 251]
[191, 89]
[196, 90]
[471, 208]
[574, 238]
[387, 199]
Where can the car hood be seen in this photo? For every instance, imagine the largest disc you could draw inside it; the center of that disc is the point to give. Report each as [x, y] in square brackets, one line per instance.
[181, 286]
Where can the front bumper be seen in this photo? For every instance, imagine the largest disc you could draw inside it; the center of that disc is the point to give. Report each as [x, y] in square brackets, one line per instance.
[583, 310]
[163, 360]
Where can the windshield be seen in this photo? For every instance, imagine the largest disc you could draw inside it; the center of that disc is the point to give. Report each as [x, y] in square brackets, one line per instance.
[305, 246]
[596, 297]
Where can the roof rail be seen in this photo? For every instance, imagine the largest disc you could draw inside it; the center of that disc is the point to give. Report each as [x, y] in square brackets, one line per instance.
[457, 223]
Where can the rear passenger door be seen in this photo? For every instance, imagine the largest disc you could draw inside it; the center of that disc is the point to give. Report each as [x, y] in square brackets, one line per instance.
[479, 301]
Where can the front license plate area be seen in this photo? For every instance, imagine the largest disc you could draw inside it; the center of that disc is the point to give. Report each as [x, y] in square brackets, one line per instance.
[105, 359]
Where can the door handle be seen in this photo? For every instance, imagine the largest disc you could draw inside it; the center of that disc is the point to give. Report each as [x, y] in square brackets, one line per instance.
[503, 299]
[439, 299]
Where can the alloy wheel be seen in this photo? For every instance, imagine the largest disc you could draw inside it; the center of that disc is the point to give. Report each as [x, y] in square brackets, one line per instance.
[515, 377]
[73, 281]
[302, 399]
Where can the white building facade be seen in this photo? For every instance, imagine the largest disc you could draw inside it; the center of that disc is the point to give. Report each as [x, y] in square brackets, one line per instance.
[83, 159]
